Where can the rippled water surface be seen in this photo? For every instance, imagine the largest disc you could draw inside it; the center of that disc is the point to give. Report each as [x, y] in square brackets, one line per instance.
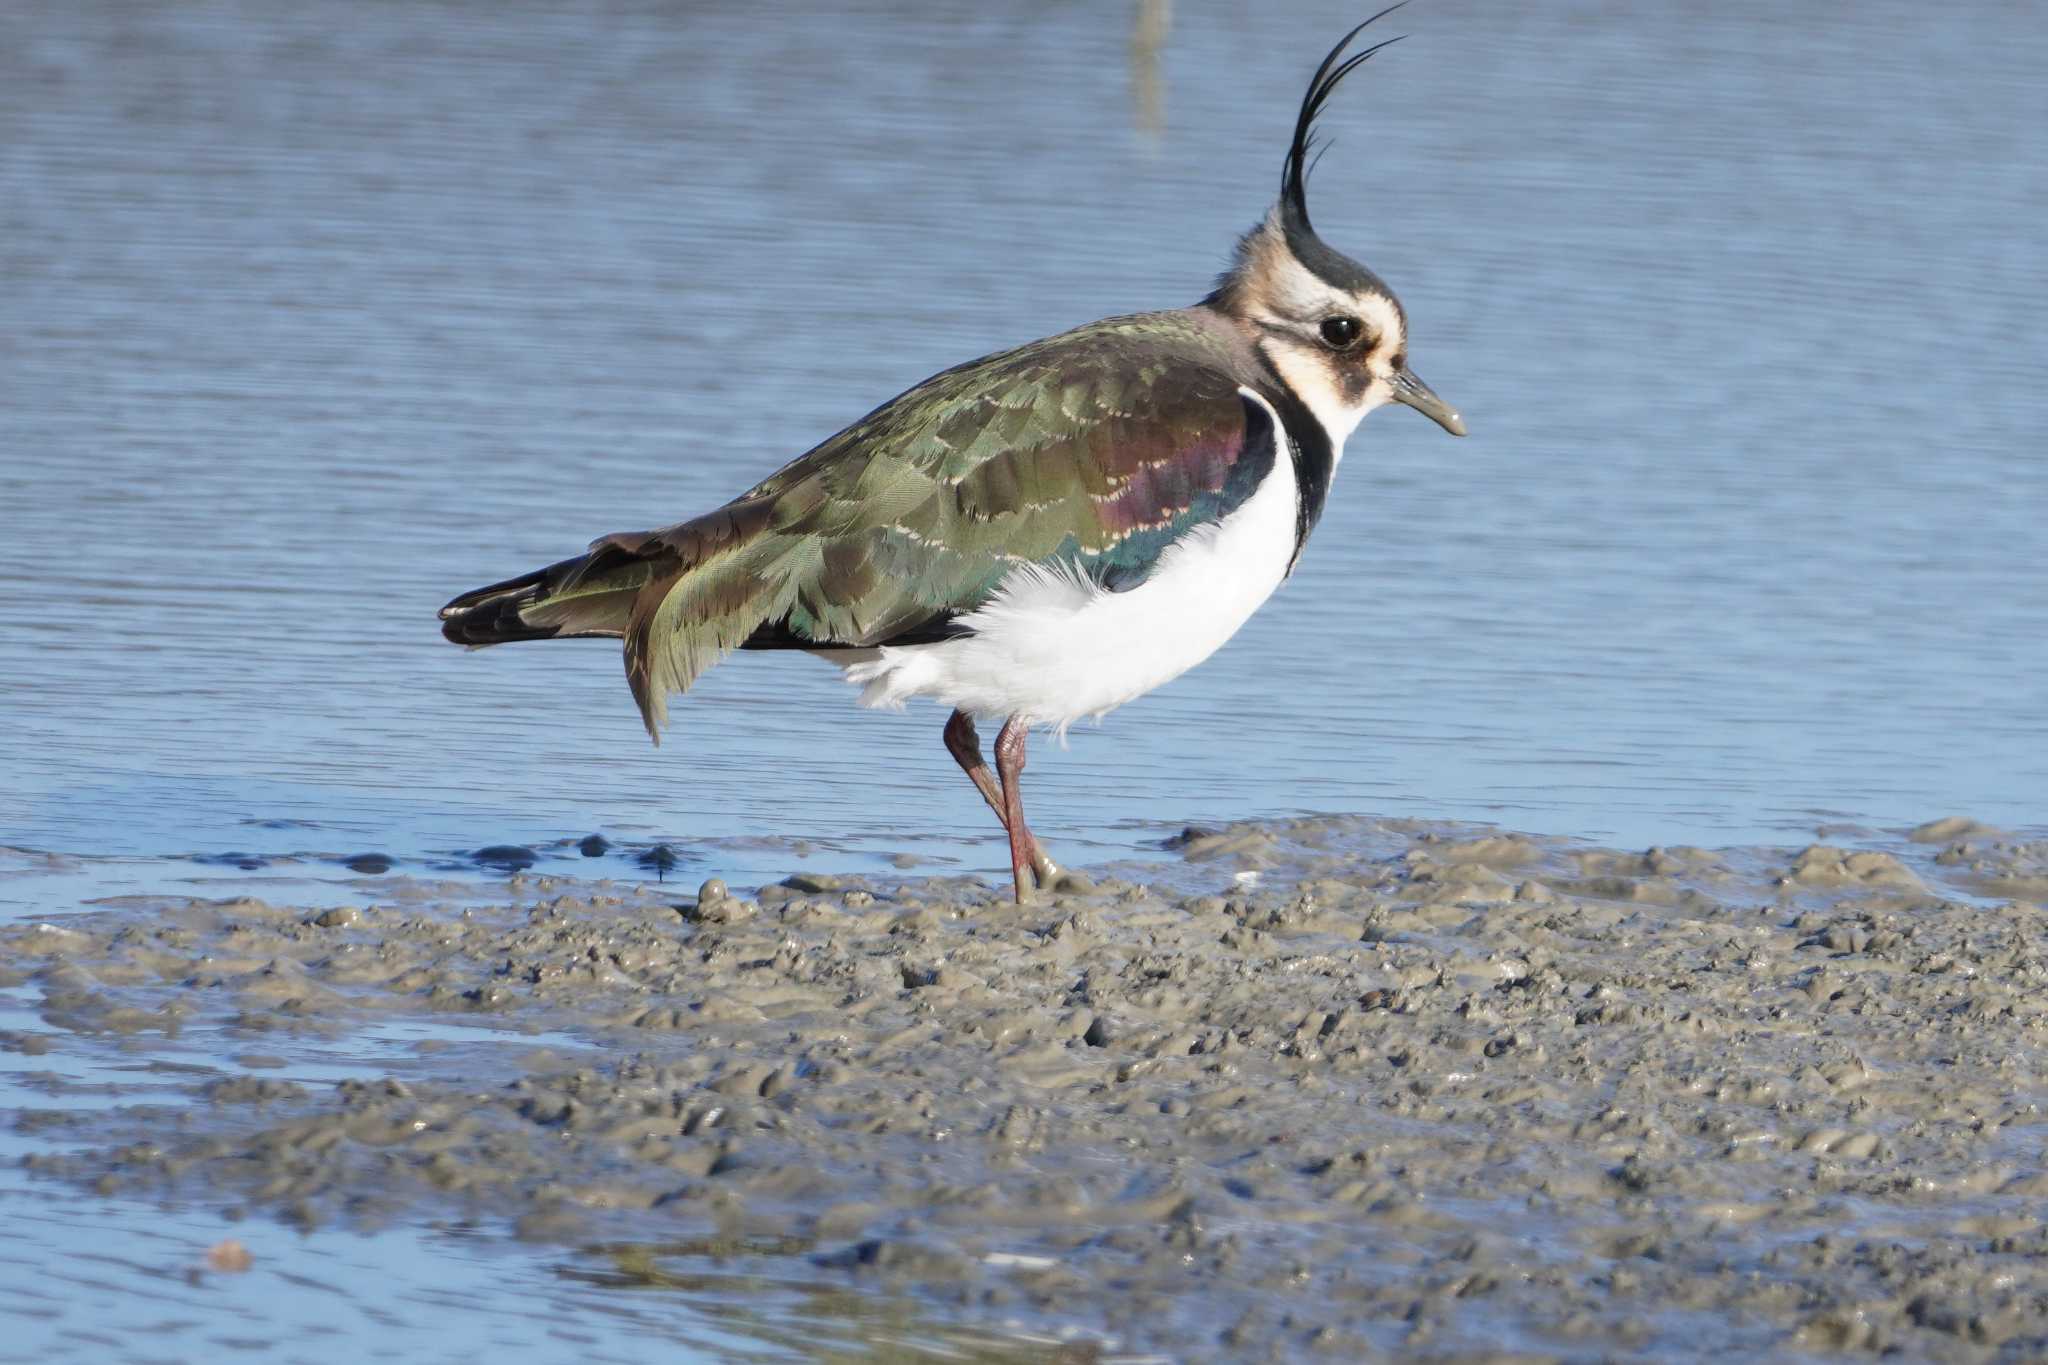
[313, 315]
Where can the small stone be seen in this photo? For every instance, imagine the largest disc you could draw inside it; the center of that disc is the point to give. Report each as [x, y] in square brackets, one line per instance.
[716, 905]
[506, 857]
[1948, 829]
[229, 1257]
[593, 846]
[660, 860]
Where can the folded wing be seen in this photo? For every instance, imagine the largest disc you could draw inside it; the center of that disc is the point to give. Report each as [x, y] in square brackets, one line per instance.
[1096, 449]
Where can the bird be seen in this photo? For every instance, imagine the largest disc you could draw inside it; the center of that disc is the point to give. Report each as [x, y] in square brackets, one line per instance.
[1038, 536]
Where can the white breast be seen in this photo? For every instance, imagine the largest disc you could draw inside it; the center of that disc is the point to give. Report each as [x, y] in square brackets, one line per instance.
[1054, 648]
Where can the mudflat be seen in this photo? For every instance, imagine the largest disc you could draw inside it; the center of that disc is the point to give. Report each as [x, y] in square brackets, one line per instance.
[1338, 1085]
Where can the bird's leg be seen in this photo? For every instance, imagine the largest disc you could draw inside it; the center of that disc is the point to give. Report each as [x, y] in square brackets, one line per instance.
[1025, 854]
[1041, 866]
[964, 743]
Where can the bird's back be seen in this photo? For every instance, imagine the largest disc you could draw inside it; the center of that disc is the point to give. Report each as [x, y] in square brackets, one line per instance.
[1095, 449]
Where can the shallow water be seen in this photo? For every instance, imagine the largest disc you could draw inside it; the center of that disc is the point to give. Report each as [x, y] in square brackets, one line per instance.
[110, 1277]
[316, 317]
[311, 317]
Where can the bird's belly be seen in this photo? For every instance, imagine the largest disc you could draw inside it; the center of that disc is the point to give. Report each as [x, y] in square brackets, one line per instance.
[1055, 648]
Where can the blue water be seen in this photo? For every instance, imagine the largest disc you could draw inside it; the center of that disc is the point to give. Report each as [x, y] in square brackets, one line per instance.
[314, 315]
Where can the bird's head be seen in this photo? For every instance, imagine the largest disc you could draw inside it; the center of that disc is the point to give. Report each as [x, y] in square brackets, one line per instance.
[1331, 328]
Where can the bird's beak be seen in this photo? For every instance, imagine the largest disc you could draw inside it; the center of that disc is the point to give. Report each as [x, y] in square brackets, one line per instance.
[1418, 395]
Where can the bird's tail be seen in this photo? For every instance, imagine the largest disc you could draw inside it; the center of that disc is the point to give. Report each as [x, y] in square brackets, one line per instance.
[681, 599]
[591, 594]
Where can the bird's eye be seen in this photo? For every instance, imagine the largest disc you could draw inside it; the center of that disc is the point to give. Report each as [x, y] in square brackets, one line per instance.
[1340, 333]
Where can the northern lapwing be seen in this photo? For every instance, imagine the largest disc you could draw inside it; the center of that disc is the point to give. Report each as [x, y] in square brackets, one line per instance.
[1040, 535]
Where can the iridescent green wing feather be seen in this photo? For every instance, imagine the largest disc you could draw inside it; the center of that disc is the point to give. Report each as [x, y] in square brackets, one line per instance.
[1098, 448]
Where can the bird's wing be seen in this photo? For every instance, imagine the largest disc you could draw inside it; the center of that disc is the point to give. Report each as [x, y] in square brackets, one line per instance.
[1097, 449]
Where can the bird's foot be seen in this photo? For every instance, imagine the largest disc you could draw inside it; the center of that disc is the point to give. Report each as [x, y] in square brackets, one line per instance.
[1049, 877]
[1038, 874]
[1044, 871]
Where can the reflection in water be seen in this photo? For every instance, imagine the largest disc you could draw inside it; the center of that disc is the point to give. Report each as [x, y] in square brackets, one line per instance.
[118, 1279]
[1151, 23]
[806, 1317]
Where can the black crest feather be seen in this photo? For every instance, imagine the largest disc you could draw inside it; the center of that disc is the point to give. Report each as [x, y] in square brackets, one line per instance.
[1294, 174]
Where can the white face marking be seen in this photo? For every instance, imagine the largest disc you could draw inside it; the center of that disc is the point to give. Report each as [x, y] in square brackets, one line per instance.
[1286, 304]
[1309, 376]
[1292, 314]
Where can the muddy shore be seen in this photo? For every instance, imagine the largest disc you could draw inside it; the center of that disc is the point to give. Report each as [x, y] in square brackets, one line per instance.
[1331, 1086]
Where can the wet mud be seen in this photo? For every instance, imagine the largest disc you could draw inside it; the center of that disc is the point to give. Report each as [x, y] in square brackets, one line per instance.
[1331, 1086]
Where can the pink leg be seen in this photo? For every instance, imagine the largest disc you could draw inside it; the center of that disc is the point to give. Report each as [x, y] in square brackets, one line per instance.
[1024, 852]
[964, 743]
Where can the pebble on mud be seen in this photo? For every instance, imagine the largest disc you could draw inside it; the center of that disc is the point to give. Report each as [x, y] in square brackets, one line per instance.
[229, 1257]
[505, 857]
[660, 860]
